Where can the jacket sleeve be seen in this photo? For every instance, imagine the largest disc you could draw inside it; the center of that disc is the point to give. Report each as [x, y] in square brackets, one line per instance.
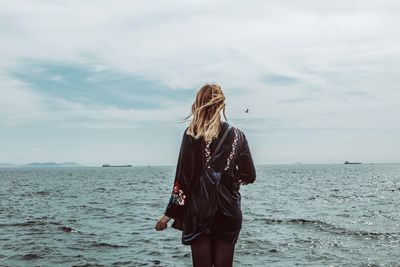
[245, 166]
[184, 169]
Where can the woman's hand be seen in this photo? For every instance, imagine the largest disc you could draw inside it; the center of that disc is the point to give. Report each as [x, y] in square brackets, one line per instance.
[241, 182]
[162, 223]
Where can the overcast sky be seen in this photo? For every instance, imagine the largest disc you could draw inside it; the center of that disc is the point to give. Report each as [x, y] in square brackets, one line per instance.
[108, 81]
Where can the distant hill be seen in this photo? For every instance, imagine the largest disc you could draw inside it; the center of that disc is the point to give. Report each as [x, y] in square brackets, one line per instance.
[5, 165]
[52, 164]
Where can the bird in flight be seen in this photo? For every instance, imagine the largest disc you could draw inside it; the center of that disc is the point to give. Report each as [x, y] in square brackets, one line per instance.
[247, 110]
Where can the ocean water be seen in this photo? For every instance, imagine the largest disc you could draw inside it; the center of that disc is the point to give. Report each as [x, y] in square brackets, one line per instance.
[293, 215]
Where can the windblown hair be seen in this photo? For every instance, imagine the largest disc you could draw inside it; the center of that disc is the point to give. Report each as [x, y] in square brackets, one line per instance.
[206, 112]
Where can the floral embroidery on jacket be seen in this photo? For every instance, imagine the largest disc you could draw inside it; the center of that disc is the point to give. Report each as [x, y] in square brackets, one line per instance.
[234, 144]
[231, 155]
[177, 196]
[207, 151]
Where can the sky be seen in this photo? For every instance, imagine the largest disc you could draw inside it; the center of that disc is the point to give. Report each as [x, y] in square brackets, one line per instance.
[98, 82]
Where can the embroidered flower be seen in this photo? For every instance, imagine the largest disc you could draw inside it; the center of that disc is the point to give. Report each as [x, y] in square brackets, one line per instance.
[207, 151]
[231, 155]
[177, 196]
[234, 144]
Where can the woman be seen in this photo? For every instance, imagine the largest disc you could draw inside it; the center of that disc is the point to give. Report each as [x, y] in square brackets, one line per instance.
[214, 242]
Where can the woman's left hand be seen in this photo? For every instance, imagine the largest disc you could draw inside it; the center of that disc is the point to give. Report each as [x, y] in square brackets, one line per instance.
[162, 223]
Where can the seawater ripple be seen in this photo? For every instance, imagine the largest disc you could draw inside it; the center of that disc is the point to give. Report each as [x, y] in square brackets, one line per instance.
[324, 226]
[293, 215]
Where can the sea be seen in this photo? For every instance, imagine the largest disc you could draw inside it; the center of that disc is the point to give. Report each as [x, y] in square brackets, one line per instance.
[293, 215]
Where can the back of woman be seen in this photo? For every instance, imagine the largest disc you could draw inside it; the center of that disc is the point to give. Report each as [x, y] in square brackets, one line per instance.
[212, 242]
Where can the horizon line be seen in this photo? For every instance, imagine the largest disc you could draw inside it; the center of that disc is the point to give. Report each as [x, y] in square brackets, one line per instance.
[15, 165]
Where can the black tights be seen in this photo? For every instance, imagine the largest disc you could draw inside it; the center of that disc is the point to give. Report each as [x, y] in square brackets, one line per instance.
[207, 252]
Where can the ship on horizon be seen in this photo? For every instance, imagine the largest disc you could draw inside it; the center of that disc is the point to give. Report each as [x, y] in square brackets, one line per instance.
[108, 165]
[348, 162]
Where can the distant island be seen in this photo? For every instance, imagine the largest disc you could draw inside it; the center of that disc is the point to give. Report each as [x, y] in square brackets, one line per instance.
[108, 165]
[41, 164]
[6, 165]
[348, 162]
[51, 164]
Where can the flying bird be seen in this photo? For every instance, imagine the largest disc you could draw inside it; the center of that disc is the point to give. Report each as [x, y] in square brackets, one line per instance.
[247, 110]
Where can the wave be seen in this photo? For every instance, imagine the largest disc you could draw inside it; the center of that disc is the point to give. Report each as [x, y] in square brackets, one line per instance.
[324, 226]
[42, 193]
[99, 189]
[103, 244]
[41, 254]
[31, 256]
[88, 265]
[119, 263]
[29, 223]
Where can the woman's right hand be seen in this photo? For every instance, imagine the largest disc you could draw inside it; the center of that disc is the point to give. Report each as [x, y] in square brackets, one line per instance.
[162, 223]
[241, 182]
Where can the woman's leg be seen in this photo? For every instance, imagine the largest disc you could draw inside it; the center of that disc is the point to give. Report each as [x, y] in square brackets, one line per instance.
[202, 251]
[223, 253]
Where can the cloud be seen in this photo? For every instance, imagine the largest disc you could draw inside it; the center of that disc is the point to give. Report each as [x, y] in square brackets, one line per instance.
[18, 103]
[285, 60]
[38, 149]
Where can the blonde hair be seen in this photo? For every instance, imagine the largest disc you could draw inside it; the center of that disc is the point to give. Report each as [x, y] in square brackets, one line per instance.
[206, 109]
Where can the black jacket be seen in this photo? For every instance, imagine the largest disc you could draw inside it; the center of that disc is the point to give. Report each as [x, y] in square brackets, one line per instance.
[235, 162]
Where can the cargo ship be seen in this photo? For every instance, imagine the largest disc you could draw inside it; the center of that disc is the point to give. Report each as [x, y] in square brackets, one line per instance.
[108, 165]
[348, 162]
